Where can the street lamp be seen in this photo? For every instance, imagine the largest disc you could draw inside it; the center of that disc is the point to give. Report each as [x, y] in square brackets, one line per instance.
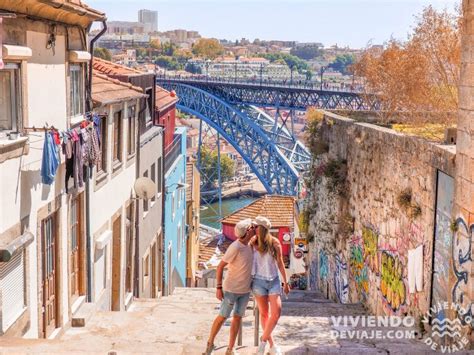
[322, 70]
[207, 68]
[291, 78]
[179, 185]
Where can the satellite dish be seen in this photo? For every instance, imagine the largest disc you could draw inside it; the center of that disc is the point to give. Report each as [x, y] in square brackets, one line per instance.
[145, 188]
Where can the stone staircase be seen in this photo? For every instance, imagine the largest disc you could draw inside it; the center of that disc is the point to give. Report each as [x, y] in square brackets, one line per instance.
[180, 324]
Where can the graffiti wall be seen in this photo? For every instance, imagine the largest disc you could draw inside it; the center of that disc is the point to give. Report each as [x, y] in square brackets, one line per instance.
[389, 200]
[341, 285]
[358, 268]
[463, 266]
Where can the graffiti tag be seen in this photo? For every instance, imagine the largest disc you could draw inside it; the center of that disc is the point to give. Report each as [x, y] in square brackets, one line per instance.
[391, 281]
[340, 280]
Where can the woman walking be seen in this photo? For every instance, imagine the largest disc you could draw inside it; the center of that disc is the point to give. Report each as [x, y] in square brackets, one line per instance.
[266, 284]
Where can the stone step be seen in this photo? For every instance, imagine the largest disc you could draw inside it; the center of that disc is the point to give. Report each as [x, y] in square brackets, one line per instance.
[85, 312]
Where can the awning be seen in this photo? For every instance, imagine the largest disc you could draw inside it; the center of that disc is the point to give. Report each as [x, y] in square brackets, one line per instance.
[7, 251]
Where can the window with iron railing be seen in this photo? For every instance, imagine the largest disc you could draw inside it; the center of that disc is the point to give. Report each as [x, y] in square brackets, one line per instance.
[172, 152]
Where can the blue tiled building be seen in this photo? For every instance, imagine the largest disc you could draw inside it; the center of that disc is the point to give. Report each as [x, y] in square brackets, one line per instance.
[175, 213]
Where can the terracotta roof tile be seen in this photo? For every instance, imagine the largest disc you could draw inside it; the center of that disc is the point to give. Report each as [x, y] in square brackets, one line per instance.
[210, 248]
[164, 98]
[278, 209]
[109, 68]
[106, 90]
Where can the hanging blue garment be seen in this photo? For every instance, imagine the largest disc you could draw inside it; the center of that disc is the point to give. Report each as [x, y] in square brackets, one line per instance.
[50, 161]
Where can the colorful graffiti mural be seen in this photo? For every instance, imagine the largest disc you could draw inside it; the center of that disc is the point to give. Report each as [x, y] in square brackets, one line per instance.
[340, 279]
[392, 286]
[313, 275]
[358, 269]
[462, 265]
[323, 265]
[370, 239]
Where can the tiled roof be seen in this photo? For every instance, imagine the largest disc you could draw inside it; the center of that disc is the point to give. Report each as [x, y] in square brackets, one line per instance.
[278, 209]
[109, 68]
[212, 249]
[106, 90]
[164, 98]
[67, 11]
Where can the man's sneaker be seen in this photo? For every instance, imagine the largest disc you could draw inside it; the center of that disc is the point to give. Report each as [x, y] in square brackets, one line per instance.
[275, 350]
[231, 352]
[210, 349]
[261, 347]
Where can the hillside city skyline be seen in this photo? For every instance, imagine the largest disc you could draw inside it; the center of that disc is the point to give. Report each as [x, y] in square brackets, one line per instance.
[392, 18]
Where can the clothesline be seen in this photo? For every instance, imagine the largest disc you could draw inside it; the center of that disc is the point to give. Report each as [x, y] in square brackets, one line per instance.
[80, 146]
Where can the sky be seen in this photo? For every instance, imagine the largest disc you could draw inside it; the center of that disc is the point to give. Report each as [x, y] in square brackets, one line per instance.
[353, 23]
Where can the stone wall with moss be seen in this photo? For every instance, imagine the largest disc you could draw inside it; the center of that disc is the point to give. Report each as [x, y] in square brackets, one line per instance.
[372, 199]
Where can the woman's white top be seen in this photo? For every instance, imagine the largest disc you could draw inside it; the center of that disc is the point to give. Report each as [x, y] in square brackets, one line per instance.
[264, 266]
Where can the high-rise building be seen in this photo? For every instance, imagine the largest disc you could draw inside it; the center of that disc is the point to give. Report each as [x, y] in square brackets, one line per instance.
[149, 19]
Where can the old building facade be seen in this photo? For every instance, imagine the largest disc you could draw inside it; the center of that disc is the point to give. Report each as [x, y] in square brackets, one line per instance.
[43, 66]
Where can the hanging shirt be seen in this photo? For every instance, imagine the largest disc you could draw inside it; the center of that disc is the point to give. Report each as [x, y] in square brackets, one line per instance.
[50, 161]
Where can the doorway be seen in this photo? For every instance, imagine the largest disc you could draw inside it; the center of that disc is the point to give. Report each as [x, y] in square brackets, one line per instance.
[154, 272]
[116, 258]
[50, 277]
[443, 239]
[76, 256]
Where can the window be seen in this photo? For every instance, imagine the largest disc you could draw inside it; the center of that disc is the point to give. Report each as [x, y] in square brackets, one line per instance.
[149, 111]
[129, 249]
[76, 93]
[145, 201]
[160, 175]
[173, 204]
[180, 241]
[153, 178]
[131, 130]
[9, 97]
[12, 279]
[103, 145]
[117, 141]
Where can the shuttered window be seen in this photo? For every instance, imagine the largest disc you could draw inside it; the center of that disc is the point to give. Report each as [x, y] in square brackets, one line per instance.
[12, 289]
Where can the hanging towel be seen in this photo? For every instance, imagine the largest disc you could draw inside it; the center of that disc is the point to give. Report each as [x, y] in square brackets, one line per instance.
[415, 269]
[50, 161]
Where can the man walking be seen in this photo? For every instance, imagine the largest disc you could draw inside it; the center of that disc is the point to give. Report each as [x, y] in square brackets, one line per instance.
[234, 294]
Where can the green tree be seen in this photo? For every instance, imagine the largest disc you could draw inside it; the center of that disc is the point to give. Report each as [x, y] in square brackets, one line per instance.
[102, 53]
[307, 52]
[208, 48]
[193, 68]
[290, 60]
[168, 62]
[343, 63]
[209, 164]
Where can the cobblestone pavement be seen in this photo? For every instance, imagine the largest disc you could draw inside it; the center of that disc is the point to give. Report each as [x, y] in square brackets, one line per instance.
[179, 324]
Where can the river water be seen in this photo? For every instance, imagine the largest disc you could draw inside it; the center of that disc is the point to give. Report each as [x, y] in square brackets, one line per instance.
[209, 215]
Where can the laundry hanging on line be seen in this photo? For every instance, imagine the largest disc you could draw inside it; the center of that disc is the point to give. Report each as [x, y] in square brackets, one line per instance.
[81, 148]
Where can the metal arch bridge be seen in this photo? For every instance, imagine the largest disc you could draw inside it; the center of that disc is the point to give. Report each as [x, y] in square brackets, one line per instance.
[290, 96]
[266, 143]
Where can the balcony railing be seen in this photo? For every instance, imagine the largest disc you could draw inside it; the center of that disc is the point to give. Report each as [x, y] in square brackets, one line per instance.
[172, 152]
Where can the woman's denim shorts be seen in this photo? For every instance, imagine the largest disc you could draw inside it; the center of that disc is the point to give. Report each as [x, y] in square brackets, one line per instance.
[264, 287]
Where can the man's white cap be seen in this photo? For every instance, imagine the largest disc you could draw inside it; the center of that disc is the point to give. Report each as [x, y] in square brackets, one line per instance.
[241, 227]
[262, 221]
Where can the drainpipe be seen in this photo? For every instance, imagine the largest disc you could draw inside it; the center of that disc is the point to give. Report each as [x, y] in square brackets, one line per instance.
[136, 201]
[87, 202]
[163, 204]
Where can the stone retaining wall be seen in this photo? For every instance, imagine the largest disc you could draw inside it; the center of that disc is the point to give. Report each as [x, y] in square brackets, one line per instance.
[361, 227]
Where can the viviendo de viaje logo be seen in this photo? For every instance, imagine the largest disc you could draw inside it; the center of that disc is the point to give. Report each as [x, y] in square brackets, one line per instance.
[446, 335]
[372, 327]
